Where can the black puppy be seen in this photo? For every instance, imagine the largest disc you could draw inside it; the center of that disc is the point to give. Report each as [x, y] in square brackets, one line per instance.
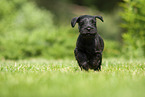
[90, 45]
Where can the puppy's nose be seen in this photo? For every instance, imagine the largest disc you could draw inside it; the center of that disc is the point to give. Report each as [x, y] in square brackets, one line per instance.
[88, 28]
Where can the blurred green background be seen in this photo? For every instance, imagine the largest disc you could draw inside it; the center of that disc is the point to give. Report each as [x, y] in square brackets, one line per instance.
[41, 28]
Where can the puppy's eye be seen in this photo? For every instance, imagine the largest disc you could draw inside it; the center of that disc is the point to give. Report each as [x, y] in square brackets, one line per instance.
[81, 22]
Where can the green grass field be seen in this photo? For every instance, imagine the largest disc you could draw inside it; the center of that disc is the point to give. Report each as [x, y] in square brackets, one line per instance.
[63, 78]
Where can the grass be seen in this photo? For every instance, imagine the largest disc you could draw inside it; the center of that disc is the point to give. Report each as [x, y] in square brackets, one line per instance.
[63, 78]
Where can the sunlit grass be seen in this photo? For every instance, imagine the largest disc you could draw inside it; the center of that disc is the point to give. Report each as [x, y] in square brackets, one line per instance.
[63, 78]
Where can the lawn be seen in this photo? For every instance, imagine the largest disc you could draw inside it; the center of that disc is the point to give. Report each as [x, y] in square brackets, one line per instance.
[63, 78]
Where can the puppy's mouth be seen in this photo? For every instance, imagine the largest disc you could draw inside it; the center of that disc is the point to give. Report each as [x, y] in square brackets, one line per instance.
[88, 35]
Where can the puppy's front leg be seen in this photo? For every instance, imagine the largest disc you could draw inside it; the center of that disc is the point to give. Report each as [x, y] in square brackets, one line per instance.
[97, 61]
[82, 60]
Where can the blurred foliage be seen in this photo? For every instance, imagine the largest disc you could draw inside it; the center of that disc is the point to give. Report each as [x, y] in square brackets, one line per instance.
[25, 30]
[110, 28]
[65, 9]
[102, 5]
[112, 49]
[134, 20]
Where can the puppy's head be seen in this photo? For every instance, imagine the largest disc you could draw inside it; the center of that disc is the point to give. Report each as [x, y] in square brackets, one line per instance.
[86, 24]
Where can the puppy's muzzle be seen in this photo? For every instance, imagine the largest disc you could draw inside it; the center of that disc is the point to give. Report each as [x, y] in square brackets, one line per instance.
[88, 31]
[89, 28]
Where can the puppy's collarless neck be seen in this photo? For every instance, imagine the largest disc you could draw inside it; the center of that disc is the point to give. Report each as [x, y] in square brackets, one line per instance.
[88, 38]
[87, 41]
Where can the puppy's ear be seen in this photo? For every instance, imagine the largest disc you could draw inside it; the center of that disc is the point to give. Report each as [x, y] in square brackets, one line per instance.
[99, 17]
[74, 21]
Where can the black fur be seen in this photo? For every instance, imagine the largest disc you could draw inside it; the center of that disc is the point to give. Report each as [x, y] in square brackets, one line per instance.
[90, 45]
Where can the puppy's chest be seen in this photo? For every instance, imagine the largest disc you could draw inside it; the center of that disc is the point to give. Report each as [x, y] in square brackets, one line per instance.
[90, 47]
